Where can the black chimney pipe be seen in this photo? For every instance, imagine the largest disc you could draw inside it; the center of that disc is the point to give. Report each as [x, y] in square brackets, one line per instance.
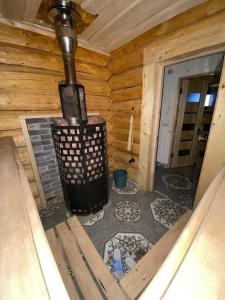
[63, 15]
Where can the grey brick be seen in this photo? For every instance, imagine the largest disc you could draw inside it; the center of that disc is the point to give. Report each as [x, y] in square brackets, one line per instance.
[46, 136]
[40, 159]
[35, 138]
[43, 169]
[53, 166]
[50, 157]
[37, 120]
[38, 149]
[51, 180]
[48, 195]
[46, 187]
[38, 132]
[46, 142]
[33, 126]
[47, 125]
[44, 178]
[56, 184]
[54, 175]
[46, 163]
[59, 194]
[49, 172]
[48, 147]
[44, 153]
[53, 189]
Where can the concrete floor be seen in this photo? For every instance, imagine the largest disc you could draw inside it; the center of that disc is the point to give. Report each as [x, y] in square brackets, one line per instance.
[139, 220]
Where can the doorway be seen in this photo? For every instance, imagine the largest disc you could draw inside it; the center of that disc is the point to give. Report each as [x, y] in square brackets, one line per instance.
[188, 103]
[196, 102]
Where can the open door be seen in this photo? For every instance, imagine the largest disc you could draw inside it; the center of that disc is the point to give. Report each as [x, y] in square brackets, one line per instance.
[191, 102]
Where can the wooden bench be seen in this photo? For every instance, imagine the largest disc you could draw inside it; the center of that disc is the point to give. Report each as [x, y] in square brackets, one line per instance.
[71, 246]
[32, 267]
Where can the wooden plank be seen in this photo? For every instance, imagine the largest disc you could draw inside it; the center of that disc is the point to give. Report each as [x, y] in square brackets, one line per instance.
[142, 18]
[29, 268]
[122, 146]
[194, 15]
[46, 260]
[17, 262]
[131, 93]
[109, 286]
[125, 156]
[31, 9]
[132, 77]
[127, 62]
[126, 107]
[189, 39]
[138, 278]
[15, 10]
[33, 161]
[152, 76]
[56, 250]
[81, 273]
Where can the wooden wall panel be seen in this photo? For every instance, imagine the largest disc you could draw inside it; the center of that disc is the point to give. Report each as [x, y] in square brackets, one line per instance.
[126, 67]
[30, 69]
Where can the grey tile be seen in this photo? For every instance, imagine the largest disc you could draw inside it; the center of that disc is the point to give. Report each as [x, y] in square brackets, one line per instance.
[47, 142]
[38, 132]
[47, 163]
[37, 120]
[46, 136]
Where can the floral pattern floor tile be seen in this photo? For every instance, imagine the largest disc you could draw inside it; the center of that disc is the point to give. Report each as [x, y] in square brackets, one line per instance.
[128, 211]
[132, 245]
[177, 182]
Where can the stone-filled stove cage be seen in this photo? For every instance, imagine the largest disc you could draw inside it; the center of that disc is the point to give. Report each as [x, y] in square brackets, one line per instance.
[80, 141]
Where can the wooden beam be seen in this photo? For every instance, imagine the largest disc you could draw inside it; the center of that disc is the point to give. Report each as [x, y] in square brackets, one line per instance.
[109, 286]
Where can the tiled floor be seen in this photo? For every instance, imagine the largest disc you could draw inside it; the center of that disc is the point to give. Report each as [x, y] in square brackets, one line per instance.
[133, 223]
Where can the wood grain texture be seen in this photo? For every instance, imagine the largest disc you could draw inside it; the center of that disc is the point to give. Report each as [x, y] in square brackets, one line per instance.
[28, 267]
[30, 69]
[162, 41]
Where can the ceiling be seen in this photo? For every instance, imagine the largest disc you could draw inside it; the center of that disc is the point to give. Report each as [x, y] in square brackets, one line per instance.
[107, 24]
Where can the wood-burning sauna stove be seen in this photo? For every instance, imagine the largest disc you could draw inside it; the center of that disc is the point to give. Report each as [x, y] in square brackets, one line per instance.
[80, 141]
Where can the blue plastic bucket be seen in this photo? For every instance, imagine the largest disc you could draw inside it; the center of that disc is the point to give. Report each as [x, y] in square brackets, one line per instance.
[120, 178]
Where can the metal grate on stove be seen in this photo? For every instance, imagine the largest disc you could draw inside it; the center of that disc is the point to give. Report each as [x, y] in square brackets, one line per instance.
[81, 152]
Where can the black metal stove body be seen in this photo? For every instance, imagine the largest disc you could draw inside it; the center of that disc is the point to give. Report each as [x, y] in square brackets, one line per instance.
[80, 141]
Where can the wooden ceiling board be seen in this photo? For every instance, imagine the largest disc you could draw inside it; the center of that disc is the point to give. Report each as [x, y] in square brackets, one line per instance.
[126, 21]
[162, 16]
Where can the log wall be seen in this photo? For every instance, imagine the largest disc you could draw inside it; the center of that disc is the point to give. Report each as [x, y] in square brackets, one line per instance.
[30, 68]
[126, 66]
